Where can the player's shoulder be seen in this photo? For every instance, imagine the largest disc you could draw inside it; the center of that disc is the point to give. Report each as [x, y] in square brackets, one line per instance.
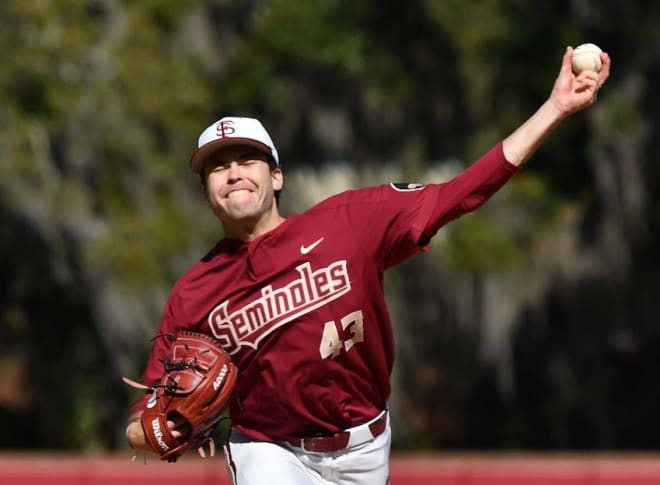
[212, 258]
[367, 195]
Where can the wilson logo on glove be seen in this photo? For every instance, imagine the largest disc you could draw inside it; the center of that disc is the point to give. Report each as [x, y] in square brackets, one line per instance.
[198, 382]
[221, 377]
[158, 434]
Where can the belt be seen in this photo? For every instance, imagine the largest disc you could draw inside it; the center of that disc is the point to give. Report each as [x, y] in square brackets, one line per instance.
[343, 439]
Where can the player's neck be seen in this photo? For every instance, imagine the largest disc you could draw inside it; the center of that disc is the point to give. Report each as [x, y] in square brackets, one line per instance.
[248, 230]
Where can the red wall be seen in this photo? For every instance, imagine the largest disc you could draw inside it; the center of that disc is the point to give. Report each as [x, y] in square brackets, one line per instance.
[460, 470]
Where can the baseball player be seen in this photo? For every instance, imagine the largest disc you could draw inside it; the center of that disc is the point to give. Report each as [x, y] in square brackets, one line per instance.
[298, 302]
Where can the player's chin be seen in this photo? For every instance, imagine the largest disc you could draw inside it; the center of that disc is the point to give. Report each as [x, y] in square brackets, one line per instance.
[243, 210]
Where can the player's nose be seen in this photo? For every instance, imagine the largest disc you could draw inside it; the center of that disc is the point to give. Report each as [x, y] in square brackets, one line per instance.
[233, 171]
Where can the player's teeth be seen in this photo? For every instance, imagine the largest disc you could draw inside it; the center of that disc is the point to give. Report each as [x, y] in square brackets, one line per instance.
[236, 192]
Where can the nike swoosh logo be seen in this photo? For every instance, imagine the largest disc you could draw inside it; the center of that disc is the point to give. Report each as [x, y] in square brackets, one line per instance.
[307, 249]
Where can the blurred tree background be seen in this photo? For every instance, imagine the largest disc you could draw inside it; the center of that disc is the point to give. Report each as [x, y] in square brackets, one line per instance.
[532, 323]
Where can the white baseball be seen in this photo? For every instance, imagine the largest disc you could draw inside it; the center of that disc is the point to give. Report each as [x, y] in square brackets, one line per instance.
[586, 57]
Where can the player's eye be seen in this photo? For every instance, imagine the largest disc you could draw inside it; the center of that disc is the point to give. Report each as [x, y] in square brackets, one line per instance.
[219, 167]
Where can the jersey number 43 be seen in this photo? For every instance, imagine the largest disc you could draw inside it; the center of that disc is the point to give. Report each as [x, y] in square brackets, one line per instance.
[334, 335]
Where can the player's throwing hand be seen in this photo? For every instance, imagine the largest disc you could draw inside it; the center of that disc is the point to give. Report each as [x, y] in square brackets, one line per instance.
[573, 92]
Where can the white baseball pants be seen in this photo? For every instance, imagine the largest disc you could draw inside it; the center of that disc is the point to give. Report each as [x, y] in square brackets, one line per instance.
[262, 463]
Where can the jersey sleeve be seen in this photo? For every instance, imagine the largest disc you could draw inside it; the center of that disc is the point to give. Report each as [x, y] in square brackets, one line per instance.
[395, 221]
[469, 190]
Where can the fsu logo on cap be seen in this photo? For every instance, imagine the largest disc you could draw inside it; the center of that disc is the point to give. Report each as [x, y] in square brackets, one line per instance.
[225, 128]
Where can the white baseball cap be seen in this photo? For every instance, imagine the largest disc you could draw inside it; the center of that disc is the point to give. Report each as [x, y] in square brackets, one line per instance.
[232, 130]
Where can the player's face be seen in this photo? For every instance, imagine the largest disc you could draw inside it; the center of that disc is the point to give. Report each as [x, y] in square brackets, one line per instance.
[240, 186]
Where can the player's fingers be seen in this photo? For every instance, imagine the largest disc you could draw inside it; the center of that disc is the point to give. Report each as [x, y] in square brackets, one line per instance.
[566, 67]
[588, 78]
[587, 81]
[201, 451]
[605, 69]
[212, 447]
[171, 425]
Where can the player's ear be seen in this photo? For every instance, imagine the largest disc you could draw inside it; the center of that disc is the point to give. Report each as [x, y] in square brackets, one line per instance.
[277, 177]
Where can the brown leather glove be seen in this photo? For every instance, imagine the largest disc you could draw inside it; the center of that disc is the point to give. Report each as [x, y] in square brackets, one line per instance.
[185, 407]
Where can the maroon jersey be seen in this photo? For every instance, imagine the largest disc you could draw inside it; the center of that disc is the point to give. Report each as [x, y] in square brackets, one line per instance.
[301, 308]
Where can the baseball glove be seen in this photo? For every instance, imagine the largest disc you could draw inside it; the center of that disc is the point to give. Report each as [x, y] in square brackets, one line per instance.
[195, 390]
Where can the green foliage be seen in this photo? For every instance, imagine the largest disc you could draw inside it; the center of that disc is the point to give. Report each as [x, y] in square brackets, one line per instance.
[477, 244]
[323, 33]
[131, 251]
[500, 236]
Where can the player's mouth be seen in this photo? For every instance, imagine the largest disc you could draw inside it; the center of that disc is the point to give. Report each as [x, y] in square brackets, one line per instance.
[237, 193]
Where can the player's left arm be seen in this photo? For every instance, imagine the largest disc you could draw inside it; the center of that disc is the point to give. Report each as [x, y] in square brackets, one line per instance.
[570, 93]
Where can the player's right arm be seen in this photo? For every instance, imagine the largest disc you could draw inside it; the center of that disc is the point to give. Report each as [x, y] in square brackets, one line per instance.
[570, 93]
[466, 192]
